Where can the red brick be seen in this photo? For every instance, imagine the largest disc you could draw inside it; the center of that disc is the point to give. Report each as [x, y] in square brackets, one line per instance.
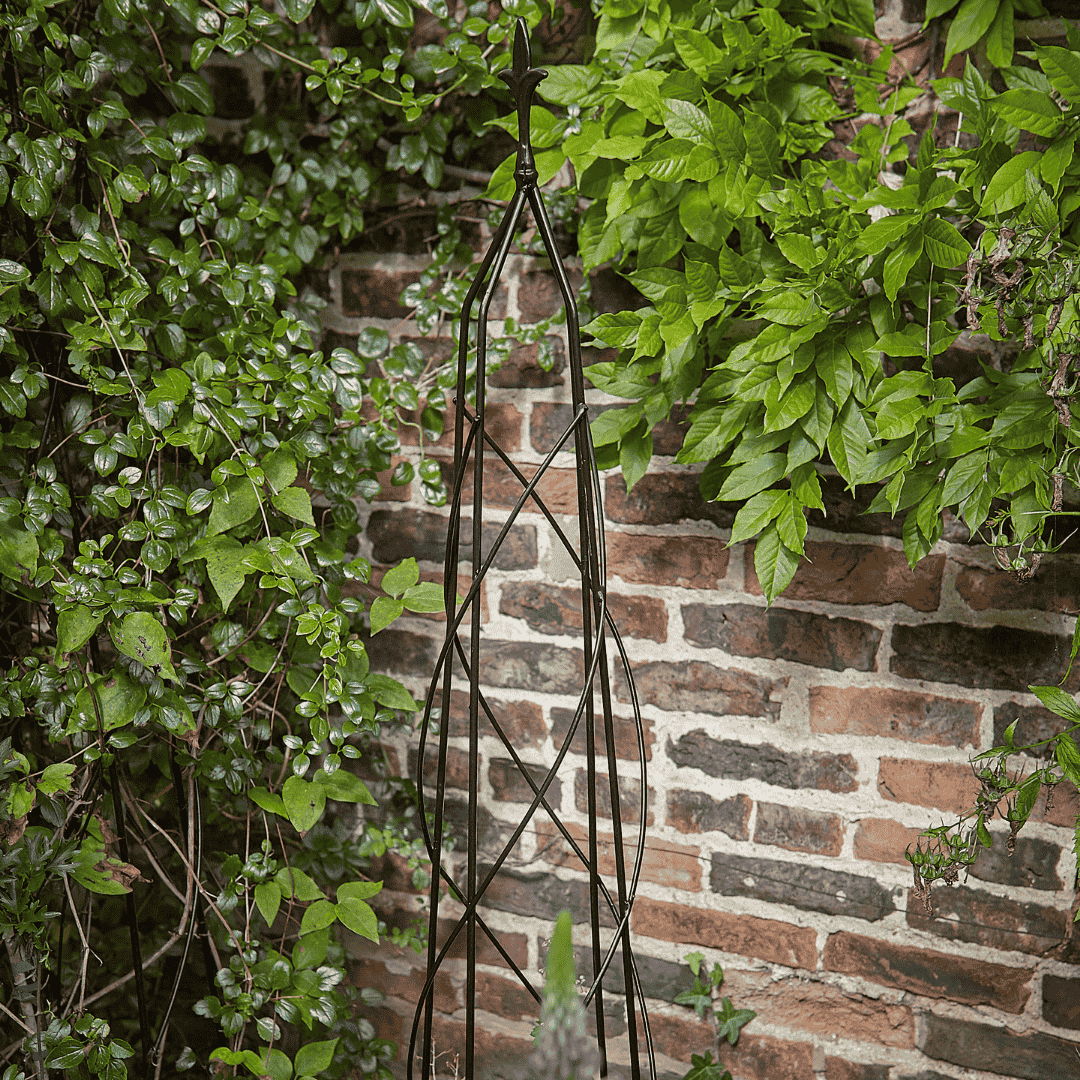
[690, 562]
[522, 370]
[553, 610]
[626, 742]
[894, 714]
[695, 686]
[516, 946]
[761, 1057]
[938, 784]
[966, 914]
[369, 972]
[502, 422]
[1065, 809]
[929, 973]
[539, 296]
[859, 574]
[1054, 588]
[679, 1037]
[521, 721]
[629, 797]
[374, 293]
[798, 829]
[696, 812]
[457, 765]
[508, 785]
[1034, 724]
[498, 1053]
[815, 1007]
[783, 634]
[505, 997]
[663, 862]
[664, 499]
[550, 420]
[839, 1069]
[557, 488]
[763, 939]
[884, 840]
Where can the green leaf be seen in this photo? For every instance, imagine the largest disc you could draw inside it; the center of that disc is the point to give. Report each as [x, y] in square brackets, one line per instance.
[234, 503]
[304, 803]
[384, 610]
[1068, 757]
[635, 453]
[1030, 110]
[280, 469]
[268, 900]
[296, 503]
[359, 918]
[570, 84]
[729, 1020]
[899, 262]
[943, 244]
[884, 232]
[1013, 183]
[118, 700]
[142, 637]
[1062, 68]
[774, 564]
[315, 1057]
[268, 801]
[299, 10]
[762, 145]
[359, 890]
[56, 777]
[318, 916]
[274, 1064]
[697, 51]
[396, 580]
[849, 441]
[18, 550]
[999, 38]
[226, 569]
[1058, 701]
[686, 121]
[756, 513]
[750, 478]
[344, 786]
[965, 475]
[296, 885]
[425, 597]
[800, 250]
[75, 627]
[971, 22]
[391, 693]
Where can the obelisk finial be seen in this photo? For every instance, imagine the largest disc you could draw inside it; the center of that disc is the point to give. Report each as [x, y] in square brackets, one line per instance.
[523, 79]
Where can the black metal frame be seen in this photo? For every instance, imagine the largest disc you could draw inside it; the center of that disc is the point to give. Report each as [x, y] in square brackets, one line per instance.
[597, 625]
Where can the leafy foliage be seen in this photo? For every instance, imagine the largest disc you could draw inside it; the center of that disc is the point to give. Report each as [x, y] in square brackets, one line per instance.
[186, 690]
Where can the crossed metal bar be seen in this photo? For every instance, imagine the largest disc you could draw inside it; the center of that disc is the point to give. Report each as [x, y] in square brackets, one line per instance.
[597, 625]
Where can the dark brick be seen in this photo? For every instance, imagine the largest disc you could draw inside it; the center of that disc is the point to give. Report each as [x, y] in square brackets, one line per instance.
[839, 1069]
[812, 888]
[660, 980]
[611, 292]
[966, 914]
[374, 293]
[860, 574]
[694, 686]
[525, 665]
[1036, 724]
[1033, 1056]
[553, 610]
[695, 812]
[1033, 865]
[760, 1057]
[844, 511]
[664, 499]
[505, 996]
[925, 1074]
[1053, 589]
[232, 94]
[457, 765]
[540, 895]
[516, 945]
[995, 657]
[508, 785]
[550, 420]
[931, 974]
[894, 714]
[799, 829]
[401, 652]
[626, 741]
[729, 760]
[1061, 1001]
[539, 296]
[629, 797]
[419, 534]
[492, 834]
[783, 634]
[522, 370]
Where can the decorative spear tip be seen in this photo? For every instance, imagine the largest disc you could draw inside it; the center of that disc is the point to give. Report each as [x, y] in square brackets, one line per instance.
[522, 47]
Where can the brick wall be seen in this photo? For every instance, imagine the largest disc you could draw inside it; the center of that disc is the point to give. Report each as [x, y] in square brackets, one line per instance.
[793, 753]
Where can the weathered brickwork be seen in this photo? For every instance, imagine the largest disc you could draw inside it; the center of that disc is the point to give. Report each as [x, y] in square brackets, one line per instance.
[794, 752]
